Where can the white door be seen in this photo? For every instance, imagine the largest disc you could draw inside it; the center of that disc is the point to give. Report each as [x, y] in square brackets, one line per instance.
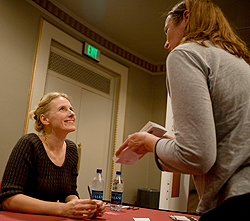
[93, 124]
[54, 82]
[94, 128]
[52, 38]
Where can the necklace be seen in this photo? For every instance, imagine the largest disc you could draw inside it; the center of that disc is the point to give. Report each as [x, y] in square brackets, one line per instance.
[45, 140]
[57, 156]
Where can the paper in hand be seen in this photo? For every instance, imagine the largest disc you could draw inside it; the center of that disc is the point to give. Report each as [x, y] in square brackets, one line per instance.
[154, 129]
[127, 156]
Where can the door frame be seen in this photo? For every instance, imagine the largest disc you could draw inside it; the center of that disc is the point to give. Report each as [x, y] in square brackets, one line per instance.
[47, 33]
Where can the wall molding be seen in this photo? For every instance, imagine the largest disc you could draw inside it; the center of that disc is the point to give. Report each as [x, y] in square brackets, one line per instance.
[83, 29]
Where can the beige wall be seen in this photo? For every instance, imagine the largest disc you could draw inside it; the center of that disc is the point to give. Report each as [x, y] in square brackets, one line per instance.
[19, 22]
[19, 28]
[144, 91]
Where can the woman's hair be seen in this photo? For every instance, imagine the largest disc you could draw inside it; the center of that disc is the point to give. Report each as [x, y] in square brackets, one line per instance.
[43, 107]
[207, 22]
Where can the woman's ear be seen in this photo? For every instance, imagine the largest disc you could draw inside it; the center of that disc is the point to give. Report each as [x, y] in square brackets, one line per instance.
[186, 16]
[44, 119]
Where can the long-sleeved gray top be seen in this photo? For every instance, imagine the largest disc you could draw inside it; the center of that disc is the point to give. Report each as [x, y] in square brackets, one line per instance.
[210, 95]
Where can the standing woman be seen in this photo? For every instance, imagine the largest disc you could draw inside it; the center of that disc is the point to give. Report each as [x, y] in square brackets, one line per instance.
[208, 78]
[40, 176]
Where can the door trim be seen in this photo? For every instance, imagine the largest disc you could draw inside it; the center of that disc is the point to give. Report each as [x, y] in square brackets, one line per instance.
[47, 33]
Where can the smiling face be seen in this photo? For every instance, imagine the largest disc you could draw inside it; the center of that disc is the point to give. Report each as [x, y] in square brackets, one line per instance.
[174, 32]
[60, 117]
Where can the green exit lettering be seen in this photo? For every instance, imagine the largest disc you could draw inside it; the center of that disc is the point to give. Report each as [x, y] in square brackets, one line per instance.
[92, 51]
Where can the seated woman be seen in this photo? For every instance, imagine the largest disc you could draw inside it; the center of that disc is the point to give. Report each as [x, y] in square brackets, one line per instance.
[41, 173]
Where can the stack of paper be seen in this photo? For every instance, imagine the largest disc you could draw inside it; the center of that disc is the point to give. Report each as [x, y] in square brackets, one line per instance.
[154, 129]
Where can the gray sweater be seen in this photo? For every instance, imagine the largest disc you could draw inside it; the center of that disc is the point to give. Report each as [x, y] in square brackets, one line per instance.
[210, 95]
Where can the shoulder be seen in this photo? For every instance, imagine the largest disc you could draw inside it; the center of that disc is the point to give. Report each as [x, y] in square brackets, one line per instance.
[194, 55]
[187, 55]
[209, 56]
[184, 52]
[193, 49]
[208, 53]
[30, 136]
[196, 47]
[72, 151]
[70, 144]
[26, 146]
[28, 139]
[71, 147]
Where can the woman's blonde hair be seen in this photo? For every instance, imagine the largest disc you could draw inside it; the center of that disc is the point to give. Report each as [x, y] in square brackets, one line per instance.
[207, 22]
[43, 108]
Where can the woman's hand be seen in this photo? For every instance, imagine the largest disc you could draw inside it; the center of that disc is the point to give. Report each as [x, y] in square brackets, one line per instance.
[140, 143]
[80, 208]
[101, 208]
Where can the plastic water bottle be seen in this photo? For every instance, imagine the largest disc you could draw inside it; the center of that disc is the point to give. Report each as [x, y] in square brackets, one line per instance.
[117, 192]
[98, 185]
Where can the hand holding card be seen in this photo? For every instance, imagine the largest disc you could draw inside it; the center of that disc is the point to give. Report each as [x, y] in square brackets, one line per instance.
[127, 156]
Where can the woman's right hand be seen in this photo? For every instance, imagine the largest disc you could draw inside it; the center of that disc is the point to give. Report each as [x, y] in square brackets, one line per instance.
[101, 208]
[79, 208]
[140, 143]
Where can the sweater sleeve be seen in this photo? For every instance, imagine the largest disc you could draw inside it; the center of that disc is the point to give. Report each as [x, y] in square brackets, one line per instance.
[73, 158]
[194, 149]
[17, 169]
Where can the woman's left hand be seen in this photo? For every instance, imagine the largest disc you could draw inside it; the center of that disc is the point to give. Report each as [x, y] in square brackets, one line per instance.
[79, 208]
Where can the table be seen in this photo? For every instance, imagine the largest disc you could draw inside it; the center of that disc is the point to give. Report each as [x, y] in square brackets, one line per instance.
[123, 215]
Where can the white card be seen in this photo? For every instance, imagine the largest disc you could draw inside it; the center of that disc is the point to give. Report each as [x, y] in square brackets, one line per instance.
[127, 156]
[141, 219]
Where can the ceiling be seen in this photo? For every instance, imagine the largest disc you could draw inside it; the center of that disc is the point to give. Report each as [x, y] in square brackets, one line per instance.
[137, 25]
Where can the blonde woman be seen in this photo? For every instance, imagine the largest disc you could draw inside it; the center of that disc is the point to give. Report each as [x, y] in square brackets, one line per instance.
[208, 78]
[40, 176]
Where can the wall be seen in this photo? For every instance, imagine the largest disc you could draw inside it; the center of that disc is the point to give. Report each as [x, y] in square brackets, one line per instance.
[17, 48]
[19, 22]
[146, 101]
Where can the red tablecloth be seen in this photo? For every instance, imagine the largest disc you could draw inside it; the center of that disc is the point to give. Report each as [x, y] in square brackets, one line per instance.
[123, 215]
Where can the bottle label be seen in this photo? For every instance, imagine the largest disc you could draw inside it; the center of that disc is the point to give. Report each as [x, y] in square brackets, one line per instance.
[116, 198]
[98, 195]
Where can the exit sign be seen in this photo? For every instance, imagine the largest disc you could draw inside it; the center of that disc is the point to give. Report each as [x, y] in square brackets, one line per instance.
[91, 51]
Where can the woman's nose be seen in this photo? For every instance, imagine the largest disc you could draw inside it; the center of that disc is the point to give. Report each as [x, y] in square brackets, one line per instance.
[71, 112]
[166, 45]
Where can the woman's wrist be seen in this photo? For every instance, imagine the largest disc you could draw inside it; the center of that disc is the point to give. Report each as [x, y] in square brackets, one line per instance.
[150, 141]
[60, 209]
[71, 197]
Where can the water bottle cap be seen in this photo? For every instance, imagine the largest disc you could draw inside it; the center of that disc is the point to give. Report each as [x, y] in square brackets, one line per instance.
[118, 172]
[99, 170]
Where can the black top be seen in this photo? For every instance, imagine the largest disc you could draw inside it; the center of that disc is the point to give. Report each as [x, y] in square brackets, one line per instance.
[30, 171]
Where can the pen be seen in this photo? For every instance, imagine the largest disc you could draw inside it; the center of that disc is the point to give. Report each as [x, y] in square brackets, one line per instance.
[90, 195]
